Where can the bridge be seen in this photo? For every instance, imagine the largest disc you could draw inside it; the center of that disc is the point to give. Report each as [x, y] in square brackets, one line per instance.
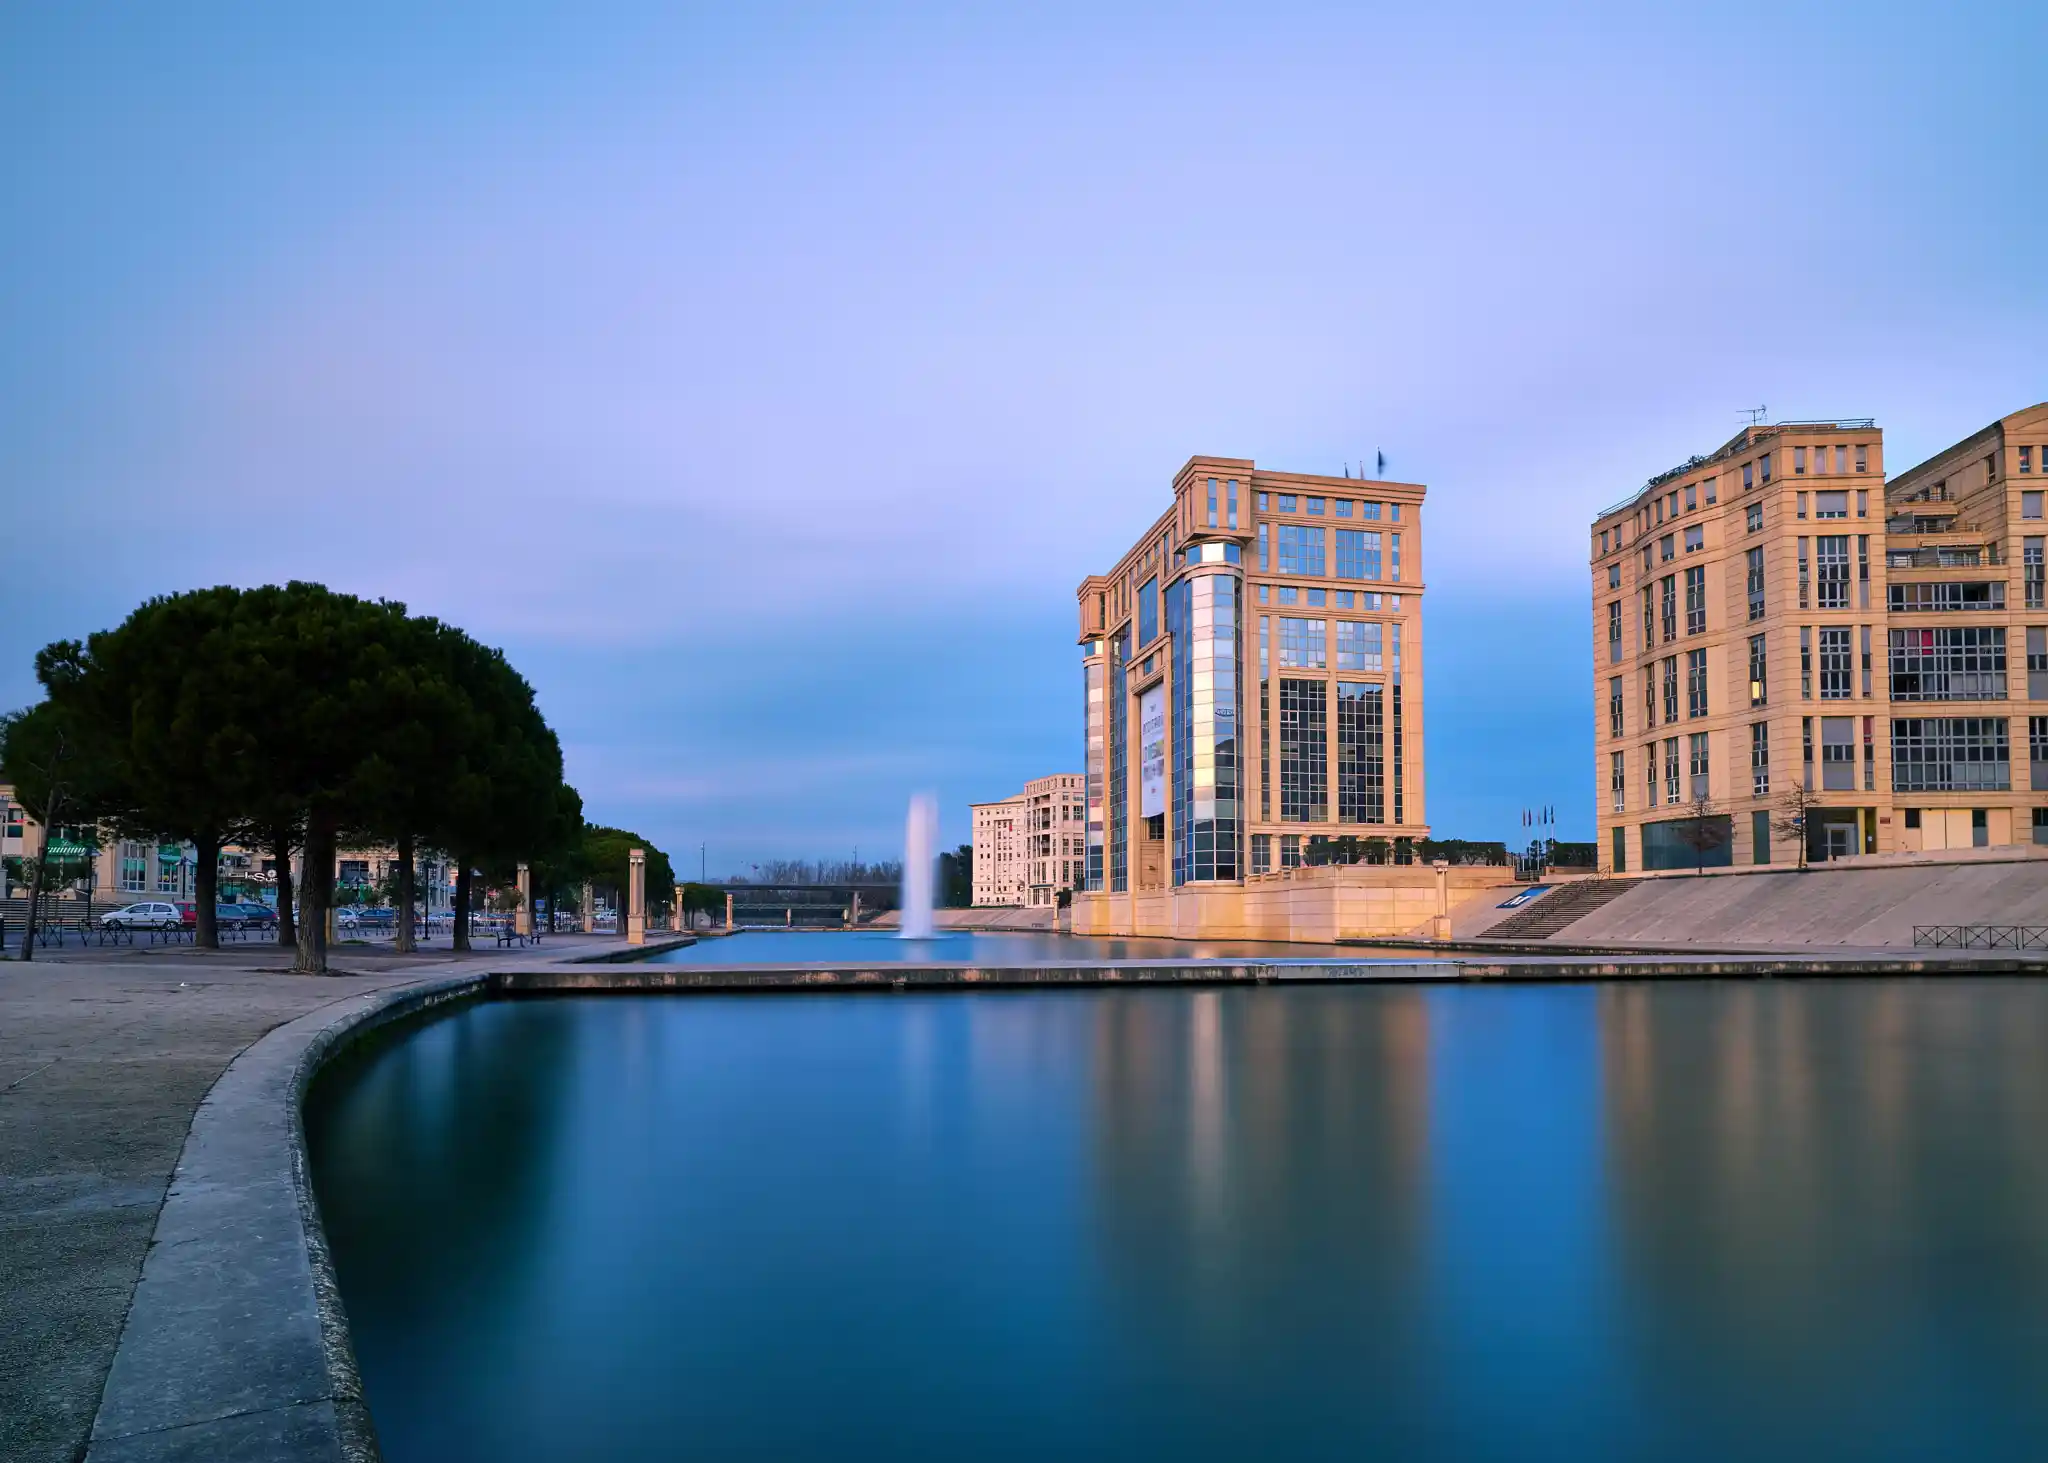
[806, 906]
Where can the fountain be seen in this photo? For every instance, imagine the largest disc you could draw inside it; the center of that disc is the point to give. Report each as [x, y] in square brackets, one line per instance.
[920, 855]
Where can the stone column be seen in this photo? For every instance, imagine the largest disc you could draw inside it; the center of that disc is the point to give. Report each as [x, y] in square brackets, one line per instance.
[522, 917]
[589, 910]
[728, 914]
[636, 897]
[1443, 899]
[676, 911]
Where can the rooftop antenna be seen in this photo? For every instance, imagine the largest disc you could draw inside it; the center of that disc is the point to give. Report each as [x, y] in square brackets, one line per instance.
[1757, 415]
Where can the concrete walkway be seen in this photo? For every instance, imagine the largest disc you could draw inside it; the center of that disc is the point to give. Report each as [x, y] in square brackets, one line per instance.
[104, 1057]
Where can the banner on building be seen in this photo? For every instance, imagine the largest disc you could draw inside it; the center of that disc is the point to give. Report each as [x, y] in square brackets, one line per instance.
[1152, 753]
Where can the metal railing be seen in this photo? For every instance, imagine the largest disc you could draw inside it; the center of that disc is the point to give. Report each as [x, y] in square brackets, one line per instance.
[1981, 937]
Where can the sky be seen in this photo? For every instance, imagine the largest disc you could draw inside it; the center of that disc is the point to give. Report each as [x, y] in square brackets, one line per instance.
[764, 379]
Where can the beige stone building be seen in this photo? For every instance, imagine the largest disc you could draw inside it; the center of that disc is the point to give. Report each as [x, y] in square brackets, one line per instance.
[1774, 624]
[1253, 684]
[1027, 847]
[999, 851]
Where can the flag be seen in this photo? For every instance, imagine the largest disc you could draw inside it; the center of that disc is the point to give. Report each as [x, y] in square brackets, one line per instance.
[1382, 469]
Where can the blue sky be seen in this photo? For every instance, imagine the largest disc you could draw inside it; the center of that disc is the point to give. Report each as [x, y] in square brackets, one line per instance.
[764, 378]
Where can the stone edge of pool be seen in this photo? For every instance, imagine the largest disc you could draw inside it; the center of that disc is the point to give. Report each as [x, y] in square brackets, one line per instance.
[236, 1343]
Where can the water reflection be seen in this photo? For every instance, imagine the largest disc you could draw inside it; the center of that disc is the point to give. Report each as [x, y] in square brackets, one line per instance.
[1677, 1222]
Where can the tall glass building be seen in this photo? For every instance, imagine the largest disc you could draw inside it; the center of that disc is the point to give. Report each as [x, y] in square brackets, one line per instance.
[1251, 682]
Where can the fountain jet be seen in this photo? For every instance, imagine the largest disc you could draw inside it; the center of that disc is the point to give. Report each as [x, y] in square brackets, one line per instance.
[920, 858]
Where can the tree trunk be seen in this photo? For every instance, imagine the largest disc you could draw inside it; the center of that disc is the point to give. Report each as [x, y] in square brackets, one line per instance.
[316, 894]
[35, 886]
[402, 934]
[462, 905]
[205, 890]
[281, 855]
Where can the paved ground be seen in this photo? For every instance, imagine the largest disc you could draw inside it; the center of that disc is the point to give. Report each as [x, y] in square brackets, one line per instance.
[103, 1058]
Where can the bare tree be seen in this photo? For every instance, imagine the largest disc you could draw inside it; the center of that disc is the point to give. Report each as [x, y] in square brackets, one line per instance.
[1792, 819]
[1700, 830]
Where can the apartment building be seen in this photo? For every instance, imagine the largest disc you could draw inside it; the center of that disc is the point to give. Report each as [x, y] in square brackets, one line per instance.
[1252, 678]
[999, 851]
[1770, 620]
[1053, 823]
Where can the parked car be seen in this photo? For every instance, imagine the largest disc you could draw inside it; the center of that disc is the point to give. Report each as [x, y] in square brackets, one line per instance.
[188, 914]
[141, 917]
[227, 916]
[257, 916]
[346, 919]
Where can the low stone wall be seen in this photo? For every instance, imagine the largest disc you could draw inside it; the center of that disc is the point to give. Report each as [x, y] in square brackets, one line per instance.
[1008, 917]
[1317, 906]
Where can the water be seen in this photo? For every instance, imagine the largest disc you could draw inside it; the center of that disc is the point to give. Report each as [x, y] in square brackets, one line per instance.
[1682, 1222]
[920, 859]
[811, 947]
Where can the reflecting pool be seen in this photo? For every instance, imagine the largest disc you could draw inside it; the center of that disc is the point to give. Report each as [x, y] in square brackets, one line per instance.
[800, 947]
[1707, 1222]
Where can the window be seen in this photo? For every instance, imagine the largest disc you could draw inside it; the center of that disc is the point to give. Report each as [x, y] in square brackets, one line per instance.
[1369, 511]
[1670, 607]
[1315, 507]
[1709, 486]
[1341, 507]
[1914, 598]
[1394, 557]
[1650, 775]
[1692, 500]
[1287, 502]
[1831, 559]
[1649, 621]
[1869, 757]
[1301, 644]
[1614, 710]
[1748, 477]
[1806, 750]
[1695, 600]
[1263, 564]
[2031, 571]
[2030, 505]
[1805, 663]
[1798, 460]
[1289, 594]
[1617, 780]
[1862, 459]
[2026, 459]
[1671, 770]
[1301, 549]
[1838, 754]
[134, 867]
[1304, 754]
[2037, 662]
[1648, 560]
[1613, 572]
[2037, 758]
[1667, 548]
[1358, 646]
[1696, 750]
[1695, 539]
[1764, 467]
[1232, 488]
[1759, 759]
[1212, 502]
[1949, 663]
[1950, 754]
[1148, 611]
[1831, 505]
[1803, 579]
[1837, 674]
[1262, 853]
[1358, 555]
[1670, 689]
[1759, 672]
[1801, 498]
[1649, 697]
[1865, 632]
[1754, 517]
[1696, 683]
[1862, 571]
[1261, 502]
[1862, 503]
[1842, 458]
[1755, 559]
[1361, 758]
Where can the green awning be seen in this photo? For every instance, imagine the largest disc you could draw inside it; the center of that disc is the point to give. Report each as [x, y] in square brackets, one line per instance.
[66, 849]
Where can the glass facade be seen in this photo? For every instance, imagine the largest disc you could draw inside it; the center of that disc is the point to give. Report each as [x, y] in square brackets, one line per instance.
[1950, 754]
[1203, 615]
[1358, 554]
[1148, 612]
[1301, 550]
[1949, 663]
[1119, 764]
[1361, 754]
[1304, 751]
[1095, 719]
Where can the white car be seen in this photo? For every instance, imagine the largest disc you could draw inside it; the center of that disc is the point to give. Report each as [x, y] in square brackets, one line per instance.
[142, 917]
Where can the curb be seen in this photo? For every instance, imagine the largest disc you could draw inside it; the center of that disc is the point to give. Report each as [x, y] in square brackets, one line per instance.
[235, 1344]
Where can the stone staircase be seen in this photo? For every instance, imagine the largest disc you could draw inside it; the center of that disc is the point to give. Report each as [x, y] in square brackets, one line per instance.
[1548, 913]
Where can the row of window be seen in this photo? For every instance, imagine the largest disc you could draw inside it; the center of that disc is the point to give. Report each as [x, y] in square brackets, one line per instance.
[1334, 507]
[1343, 599]
[1654, 513]
[1298, 550]
[1929, 754]
[1360, 645]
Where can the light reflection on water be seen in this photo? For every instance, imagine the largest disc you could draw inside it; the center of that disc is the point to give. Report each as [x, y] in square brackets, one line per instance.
[1682, 1221]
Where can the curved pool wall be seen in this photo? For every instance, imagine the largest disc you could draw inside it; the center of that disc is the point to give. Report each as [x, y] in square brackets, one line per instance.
[235, 1344]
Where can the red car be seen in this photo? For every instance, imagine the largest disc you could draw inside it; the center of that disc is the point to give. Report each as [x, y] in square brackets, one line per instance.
[188, 914]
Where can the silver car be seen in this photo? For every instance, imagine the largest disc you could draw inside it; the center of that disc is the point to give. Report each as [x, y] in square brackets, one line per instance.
[142, 917]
